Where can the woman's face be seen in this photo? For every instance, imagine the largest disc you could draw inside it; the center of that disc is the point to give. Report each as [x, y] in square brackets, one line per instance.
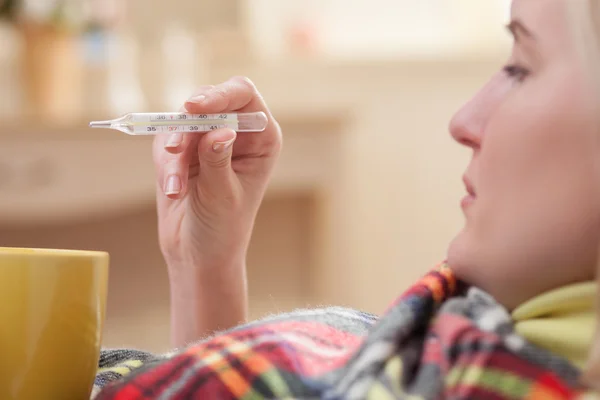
[533, 216]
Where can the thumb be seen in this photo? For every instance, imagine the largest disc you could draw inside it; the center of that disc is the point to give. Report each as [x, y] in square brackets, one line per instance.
[214, 154]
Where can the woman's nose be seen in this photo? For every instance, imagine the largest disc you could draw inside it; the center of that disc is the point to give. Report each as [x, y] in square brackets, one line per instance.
[465, 127]
[468, 125]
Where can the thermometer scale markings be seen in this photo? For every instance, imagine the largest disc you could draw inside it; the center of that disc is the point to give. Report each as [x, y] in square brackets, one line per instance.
[178, 122]
[190, 117]
[155, 123]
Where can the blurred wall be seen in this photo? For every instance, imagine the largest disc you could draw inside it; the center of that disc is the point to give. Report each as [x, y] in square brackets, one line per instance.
[365, 198]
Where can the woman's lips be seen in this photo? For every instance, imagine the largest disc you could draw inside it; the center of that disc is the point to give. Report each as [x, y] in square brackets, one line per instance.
[470, 197]
[467, 201]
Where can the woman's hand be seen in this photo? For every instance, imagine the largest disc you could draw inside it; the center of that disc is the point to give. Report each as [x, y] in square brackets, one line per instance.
[210, 187]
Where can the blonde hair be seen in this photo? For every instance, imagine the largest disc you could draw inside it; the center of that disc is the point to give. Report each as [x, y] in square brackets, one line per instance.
[584, 16]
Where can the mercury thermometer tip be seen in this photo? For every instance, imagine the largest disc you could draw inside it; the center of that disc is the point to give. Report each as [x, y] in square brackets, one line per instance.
[100, 124]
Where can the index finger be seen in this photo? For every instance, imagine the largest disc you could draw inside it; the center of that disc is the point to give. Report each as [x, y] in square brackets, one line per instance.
[239, 94]
[236, 94]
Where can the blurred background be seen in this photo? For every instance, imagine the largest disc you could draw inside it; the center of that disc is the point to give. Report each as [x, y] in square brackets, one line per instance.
[365, 197]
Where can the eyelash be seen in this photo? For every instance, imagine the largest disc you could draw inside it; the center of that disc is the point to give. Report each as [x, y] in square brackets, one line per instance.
[516, 72]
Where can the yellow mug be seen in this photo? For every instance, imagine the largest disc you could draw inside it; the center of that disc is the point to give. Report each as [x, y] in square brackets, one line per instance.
[52, 310]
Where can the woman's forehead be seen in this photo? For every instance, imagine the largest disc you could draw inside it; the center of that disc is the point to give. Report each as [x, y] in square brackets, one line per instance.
[548, 21]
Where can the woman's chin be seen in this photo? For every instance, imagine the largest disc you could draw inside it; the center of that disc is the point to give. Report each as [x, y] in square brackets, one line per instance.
[464, 257]
[458, 251]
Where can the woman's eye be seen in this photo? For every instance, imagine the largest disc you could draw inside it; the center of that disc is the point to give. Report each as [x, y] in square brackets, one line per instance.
[516, 72]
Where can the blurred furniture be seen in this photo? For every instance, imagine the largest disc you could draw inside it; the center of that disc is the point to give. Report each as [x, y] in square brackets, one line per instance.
[52, 71]
[85, 173]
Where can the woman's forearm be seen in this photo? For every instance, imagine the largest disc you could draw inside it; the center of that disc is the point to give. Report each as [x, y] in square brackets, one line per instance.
[206, 299]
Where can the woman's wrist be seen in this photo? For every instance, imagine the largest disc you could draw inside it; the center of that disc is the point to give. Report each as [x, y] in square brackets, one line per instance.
[182, 267]
[207, 298]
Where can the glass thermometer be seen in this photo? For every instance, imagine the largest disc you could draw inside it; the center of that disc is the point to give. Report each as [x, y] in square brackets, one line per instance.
[160, 123]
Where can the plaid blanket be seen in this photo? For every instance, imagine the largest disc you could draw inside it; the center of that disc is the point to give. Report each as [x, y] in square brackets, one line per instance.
[440, 339]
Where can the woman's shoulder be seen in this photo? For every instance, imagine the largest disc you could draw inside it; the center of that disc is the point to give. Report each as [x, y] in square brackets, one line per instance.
[341, 318]
[320, 327]
[323, 319]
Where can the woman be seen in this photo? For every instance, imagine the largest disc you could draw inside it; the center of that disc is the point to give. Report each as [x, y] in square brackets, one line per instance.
[511, 313]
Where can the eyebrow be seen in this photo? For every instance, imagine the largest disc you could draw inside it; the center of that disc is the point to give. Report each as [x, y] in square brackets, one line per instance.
[517, 28]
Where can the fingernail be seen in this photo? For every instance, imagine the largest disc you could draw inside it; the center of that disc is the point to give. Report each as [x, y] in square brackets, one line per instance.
[174, 141]
[173, 185]
[197, 99]
[220, 147]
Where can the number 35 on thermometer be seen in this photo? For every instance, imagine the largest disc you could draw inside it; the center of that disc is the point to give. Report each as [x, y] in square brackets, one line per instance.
[160, 123]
